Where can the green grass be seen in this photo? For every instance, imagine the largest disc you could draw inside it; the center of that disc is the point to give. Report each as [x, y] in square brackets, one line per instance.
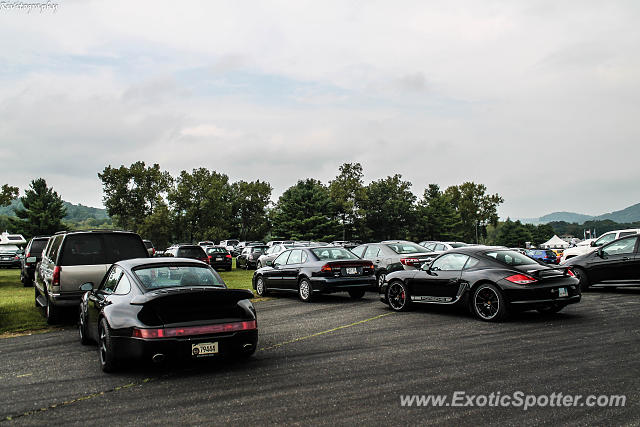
[17, 311]
[19, 314]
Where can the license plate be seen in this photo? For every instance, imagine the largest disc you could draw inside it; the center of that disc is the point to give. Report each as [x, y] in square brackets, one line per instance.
[204, 349]
[218, 259]
[6, 258]
[352, 270]
[562, 292]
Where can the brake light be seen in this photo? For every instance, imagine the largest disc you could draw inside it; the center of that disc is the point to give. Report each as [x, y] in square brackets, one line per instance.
[326, 268]
[154, 333]
[228, 255]
[55, 280]
[521, 279]
[570, 272]
[153, 251]
[409, 261]
[204, 260]
[210, 256]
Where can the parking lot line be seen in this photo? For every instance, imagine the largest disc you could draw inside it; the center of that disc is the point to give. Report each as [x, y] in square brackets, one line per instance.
[271, 347]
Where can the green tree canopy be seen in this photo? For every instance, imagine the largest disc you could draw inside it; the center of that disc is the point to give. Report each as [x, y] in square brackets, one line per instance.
[348, 195]
[7, 194]
[436, 216]
[304, 212]
[43, 210]
[476, 209]
[389, 208]
[250, 201]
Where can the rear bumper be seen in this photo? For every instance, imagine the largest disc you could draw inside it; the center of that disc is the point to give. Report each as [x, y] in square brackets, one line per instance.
[523, 296]
[65, 299]
[342, 284]
[244, 342]
[10, 263]
[221, 264]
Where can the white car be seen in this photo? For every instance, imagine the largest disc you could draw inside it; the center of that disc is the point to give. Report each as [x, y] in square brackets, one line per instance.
[590, 245]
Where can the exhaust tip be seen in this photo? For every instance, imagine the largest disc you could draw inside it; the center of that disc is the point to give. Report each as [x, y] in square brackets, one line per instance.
[158, 358]
[247, 346]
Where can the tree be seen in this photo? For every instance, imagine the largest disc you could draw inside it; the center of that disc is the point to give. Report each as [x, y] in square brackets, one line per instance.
[43, 210]
[389, 208]
[476, 209]
[7, 194]
[304, 212]
[201, 203]
[348, 194]
[131, 193]
[512, 234]
[250, 201]
[157, 227]
[436, 216]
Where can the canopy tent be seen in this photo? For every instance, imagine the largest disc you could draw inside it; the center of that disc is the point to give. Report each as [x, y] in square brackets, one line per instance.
[554, 242]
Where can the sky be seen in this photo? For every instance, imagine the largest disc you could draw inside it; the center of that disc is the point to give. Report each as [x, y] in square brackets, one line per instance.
[537, 100]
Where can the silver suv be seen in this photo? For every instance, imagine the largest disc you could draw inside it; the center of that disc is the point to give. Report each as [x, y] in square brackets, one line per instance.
[72, 258]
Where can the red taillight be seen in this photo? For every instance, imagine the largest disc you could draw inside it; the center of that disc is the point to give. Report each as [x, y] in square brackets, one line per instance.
[210, 256]
[194, 330]
[153, 251]
[228, 255]
[521, 279]
[55, 280]
[570, 272]
[326, 268]
[28, 255]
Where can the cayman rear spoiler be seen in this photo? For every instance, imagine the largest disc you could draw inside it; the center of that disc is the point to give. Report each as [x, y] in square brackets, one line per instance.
[220, 295]
[561, 271]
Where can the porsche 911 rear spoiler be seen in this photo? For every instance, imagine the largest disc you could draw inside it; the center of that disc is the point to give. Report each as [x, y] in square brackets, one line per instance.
[217, 295]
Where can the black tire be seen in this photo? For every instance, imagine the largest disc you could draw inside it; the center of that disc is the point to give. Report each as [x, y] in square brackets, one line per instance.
[398, 296]
[82, 327]
[105, 348]
[484, 301]
[305, 290]
[551, 309]
[356, 293]
[258, 265]
[261, 288]
[382, 275]
[35, 298]
[584, 279]
[51, 312]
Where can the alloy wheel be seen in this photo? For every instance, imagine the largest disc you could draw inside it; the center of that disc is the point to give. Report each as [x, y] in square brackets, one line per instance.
[487, 303]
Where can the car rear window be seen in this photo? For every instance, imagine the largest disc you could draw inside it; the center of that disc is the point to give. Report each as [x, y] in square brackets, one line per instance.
[406, 248]
[89, 249]
[328, 254]
[148, 244]
[510, 257]
[216, 250]
[172, 276]
[37, 246]
[259, 250]
[192, 252]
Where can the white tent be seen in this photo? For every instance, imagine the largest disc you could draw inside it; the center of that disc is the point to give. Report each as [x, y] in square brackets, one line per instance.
[555, 242]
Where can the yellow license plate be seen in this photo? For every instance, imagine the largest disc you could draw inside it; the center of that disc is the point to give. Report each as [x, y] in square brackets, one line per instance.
[204, 349]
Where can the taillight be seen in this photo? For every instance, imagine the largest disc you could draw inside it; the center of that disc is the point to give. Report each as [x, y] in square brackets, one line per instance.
[153, 333]
[326, 268]
[409, 261]
[153, 251]
[228, 255]
[55, 280]
[570, 272]
[521, 279]
[210, 256]
[204, 260]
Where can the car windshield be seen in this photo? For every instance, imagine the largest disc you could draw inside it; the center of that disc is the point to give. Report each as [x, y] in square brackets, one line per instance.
[171, 276]
[216, 250]
[259, 249]
[336, 253]
[193, 252]
[406, 248]
[510, 257]
[38, 245]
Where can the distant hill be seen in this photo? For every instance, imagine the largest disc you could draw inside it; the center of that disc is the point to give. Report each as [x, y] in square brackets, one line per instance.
[77, 212]
[627, 215]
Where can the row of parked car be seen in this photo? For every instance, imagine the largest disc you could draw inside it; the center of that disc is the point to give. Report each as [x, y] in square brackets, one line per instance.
[134, 306]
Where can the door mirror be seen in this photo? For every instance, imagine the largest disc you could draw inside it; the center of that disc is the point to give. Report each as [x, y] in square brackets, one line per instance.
[593, 244]
[86, 286]
[31, 259]
[269, 262]
[276, 265]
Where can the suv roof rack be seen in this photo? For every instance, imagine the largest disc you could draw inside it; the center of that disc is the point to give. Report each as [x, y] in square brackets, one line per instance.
[93, 230]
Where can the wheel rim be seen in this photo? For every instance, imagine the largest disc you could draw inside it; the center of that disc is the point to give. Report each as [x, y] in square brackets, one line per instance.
[103, 346]
[487, 303]
[260, 286]
[381, 278]
[397, 296]
[304, 290]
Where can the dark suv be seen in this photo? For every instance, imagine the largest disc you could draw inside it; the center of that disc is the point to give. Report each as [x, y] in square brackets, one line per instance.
[32, 256]
[72, 258]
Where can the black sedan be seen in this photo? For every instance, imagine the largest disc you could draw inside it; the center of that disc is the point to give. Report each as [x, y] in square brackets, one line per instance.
[219, 257]
[151, 309]
[615, 264]
[314, 270]
[248, 258]
[491, 280]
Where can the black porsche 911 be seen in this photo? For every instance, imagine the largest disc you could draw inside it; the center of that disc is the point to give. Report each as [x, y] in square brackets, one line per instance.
[151, 309]
[313, 270]
[491, 280]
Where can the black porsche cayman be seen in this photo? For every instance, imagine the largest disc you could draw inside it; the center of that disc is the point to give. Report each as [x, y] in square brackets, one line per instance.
[153, 308]
[491, 280]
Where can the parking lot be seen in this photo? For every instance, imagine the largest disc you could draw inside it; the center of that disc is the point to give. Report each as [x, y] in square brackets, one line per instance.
[338, 361]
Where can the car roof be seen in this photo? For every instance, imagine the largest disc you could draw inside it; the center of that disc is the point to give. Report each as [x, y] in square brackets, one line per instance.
[137, 262]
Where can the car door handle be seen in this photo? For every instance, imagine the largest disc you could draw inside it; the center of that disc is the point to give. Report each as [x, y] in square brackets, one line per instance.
[626, 258]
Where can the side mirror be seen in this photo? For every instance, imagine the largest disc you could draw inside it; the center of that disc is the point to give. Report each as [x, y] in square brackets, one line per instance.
[31, 259]
[86, 286]
[593, 244]
[269, 262]
[275, 265]
[600, 253]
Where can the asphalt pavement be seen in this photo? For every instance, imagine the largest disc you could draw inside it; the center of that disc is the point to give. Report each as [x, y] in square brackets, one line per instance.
[343, 362]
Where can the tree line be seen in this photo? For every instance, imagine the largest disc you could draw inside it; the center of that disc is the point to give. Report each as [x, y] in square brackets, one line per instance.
[205, 205]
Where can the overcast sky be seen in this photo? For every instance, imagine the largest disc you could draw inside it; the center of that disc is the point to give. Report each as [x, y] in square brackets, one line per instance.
[538, 100]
